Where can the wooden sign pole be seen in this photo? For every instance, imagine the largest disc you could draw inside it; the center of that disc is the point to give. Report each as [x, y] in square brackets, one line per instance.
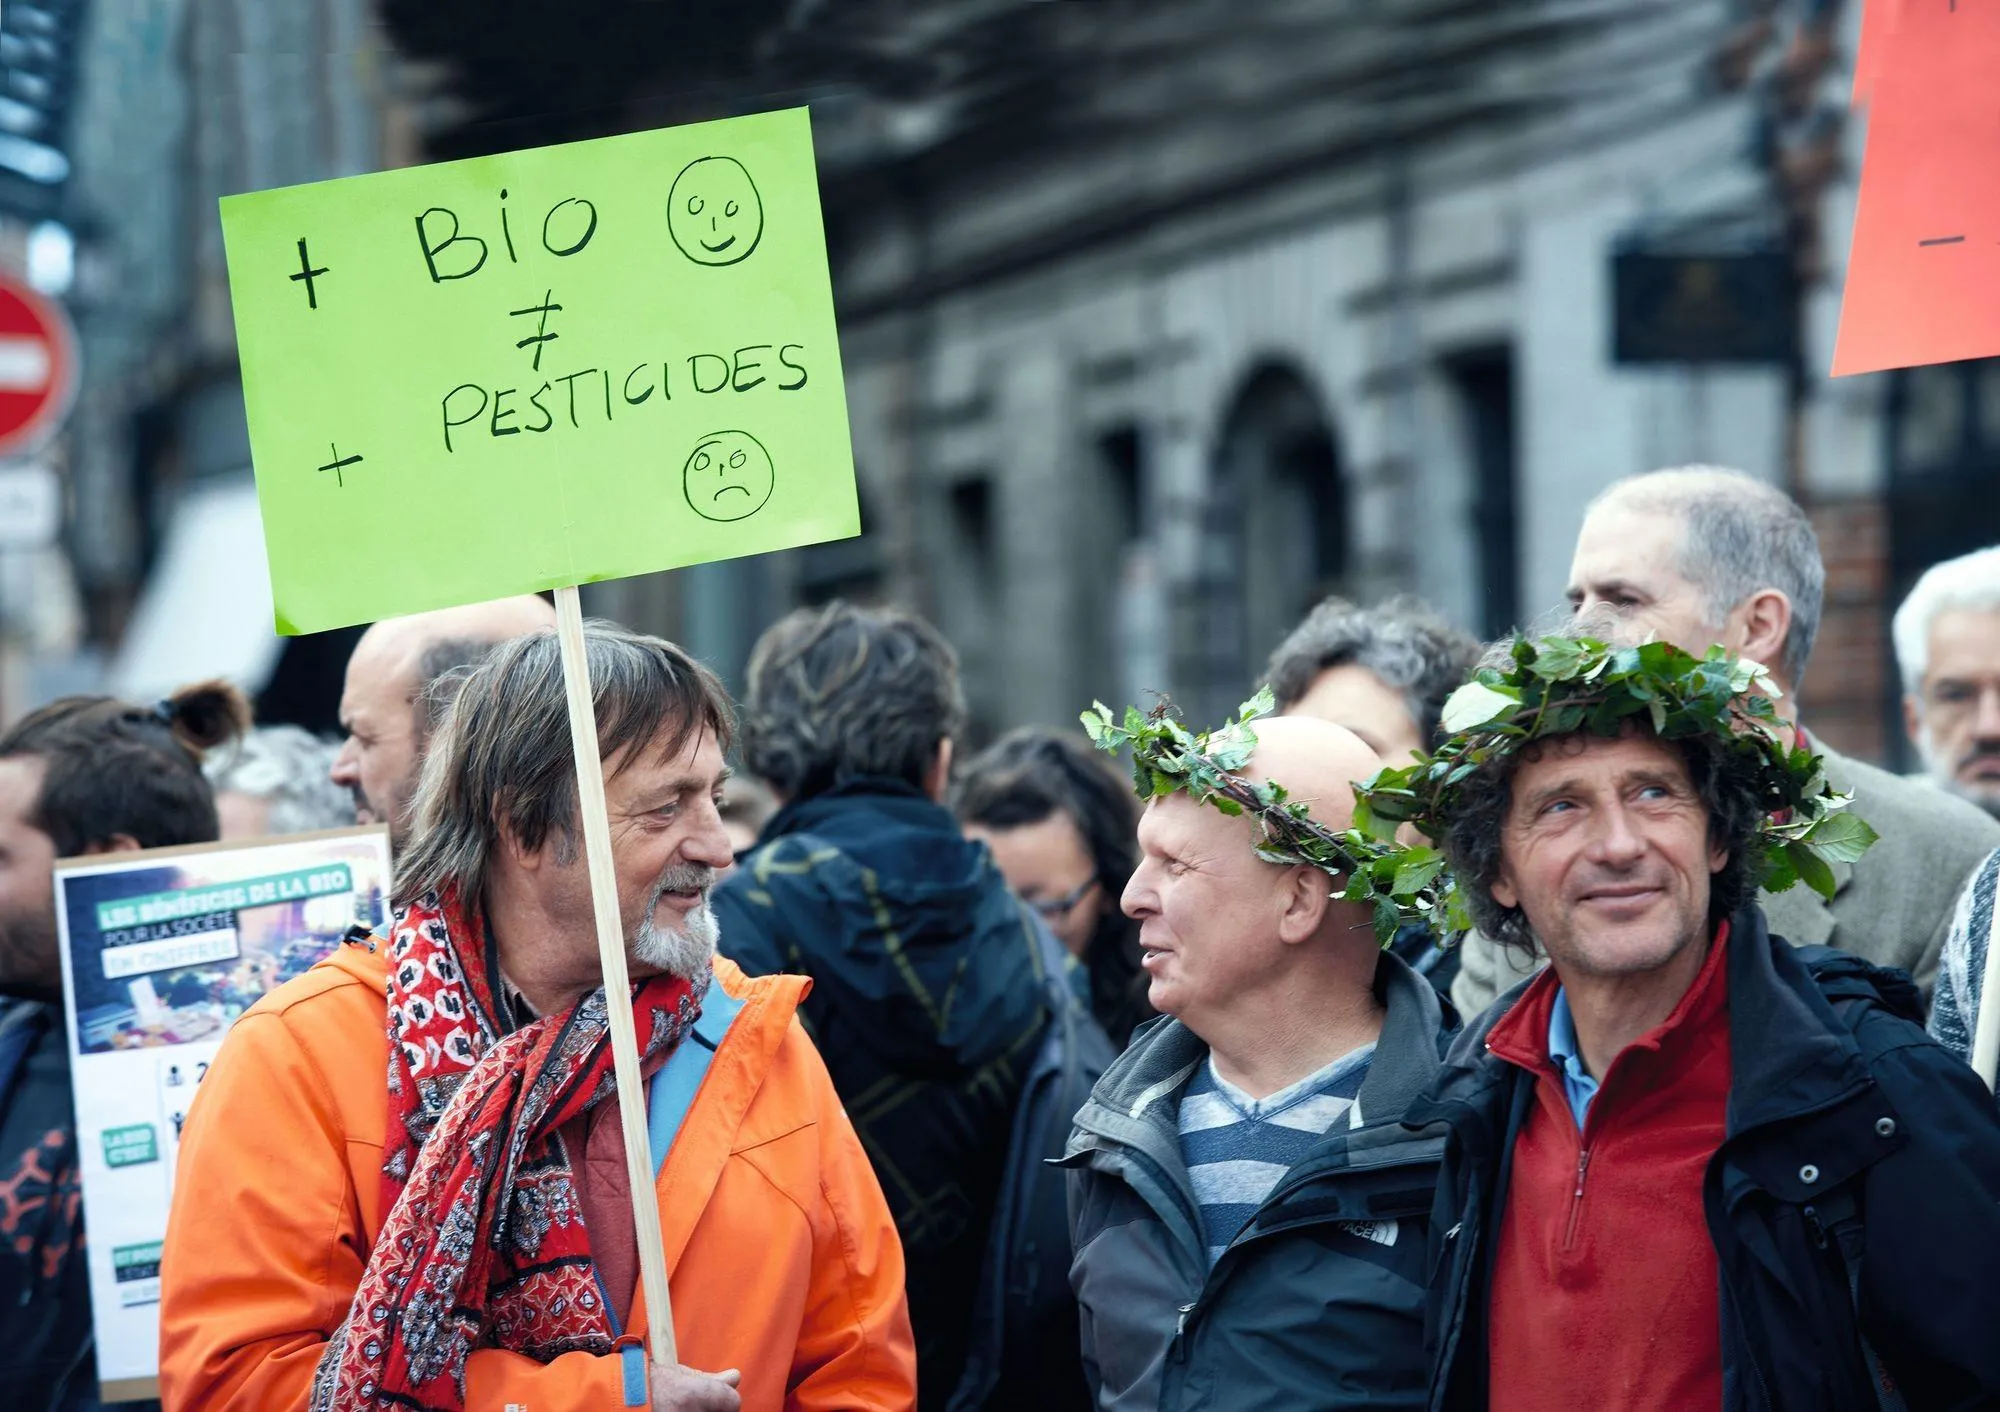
[617, 984]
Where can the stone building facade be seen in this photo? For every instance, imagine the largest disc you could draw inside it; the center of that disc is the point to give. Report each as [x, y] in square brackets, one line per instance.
[1294, 300]
[1159, 320]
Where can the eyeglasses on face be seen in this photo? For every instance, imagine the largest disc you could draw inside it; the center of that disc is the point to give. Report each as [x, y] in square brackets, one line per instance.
[1061, 906]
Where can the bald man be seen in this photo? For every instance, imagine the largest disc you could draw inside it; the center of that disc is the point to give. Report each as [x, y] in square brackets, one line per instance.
[383, 707]
[1247, 1211]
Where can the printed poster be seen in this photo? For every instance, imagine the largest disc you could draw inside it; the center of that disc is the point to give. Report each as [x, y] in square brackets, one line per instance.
[162, 951]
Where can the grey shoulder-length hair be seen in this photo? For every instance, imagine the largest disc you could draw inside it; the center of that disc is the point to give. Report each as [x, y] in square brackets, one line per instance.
[499, 762]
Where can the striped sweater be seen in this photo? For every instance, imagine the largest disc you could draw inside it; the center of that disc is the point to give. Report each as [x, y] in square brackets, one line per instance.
[1238, 1148]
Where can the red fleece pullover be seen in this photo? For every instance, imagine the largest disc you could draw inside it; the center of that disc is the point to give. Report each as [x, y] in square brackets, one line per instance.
[1605, 1278]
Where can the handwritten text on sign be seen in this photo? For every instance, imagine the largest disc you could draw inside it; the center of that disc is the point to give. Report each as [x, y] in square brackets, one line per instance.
[1923, 279]
[550, 367]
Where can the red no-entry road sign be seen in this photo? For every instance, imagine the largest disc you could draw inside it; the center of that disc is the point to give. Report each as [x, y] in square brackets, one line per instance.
[37, 367]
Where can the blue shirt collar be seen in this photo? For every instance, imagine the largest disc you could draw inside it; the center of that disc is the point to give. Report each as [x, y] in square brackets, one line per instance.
[1564, 1052]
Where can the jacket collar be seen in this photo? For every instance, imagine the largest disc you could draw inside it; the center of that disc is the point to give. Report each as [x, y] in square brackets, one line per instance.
[1138, 1087]
[1789, 1053]
[895, 799]
[1130, 1122]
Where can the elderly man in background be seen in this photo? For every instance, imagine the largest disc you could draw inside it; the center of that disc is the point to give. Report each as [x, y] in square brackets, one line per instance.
[1247, 1210]
[1699, 556]
[1383, 673]
[1948, 646]
[275, 781]
[388, 708]
[464, 1235]
[1947, 635]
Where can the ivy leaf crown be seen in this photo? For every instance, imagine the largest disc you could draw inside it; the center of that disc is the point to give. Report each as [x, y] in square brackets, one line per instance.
[1398, 884]
[1558, 686]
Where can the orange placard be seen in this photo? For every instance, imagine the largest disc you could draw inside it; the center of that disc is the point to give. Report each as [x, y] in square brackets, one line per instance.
[1923, 278]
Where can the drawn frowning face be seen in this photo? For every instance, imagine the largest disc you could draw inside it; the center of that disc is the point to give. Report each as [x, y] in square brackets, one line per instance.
[728, 476]
[714, 212]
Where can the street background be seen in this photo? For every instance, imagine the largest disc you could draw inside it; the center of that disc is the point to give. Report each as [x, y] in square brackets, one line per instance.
[1161, 318]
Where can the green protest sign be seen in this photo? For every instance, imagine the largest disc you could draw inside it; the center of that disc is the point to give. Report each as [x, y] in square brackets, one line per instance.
[543, 368]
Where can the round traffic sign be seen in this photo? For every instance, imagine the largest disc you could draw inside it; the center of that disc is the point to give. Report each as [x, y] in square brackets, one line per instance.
[37, 367]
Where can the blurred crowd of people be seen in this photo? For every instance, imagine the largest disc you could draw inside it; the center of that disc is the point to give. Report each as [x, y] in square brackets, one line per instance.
[974, 1085]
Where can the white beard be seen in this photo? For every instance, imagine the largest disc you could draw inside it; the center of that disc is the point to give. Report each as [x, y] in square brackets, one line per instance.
[1986, 796]
[687, 951]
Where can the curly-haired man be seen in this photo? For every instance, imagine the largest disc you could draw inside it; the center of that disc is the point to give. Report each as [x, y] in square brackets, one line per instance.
[1689, 1165]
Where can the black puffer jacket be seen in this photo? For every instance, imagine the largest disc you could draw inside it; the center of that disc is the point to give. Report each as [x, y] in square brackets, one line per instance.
[1319, 1302]
[1860, 1170]
[930, 1003]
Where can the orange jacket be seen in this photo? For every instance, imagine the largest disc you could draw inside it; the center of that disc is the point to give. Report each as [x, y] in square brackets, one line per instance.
[782, 1257]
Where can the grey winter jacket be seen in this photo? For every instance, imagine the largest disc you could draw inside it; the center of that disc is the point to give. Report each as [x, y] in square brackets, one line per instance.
[1319, 1301]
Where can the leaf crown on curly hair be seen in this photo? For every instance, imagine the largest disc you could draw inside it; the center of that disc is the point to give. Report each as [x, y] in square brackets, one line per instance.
[1398, 884]
[1558, 686]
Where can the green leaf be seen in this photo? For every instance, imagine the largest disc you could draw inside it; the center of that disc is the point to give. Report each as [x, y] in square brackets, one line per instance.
[1841, 838]
[1475, 704]
[1779, 872]
[1417, 870]
[1744, 675]
[1812, 869]
[1262, 704]
[1558, 659]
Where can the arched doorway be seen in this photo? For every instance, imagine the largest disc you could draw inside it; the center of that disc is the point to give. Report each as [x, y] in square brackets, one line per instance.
[1272, 538]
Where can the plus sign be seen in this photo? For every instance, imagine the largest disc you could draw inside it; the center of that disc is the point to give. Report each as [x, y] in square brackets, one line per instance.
[306, 273]
[337, 464]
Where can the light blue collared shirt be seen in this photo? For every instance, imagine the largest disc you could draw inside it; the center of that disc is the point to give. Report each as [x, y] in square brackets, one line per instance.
[1564, 1052]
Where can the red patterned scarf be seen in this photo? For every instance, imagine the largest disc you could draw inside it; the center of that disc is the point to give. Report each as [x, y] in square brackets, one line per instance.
[483, 1244]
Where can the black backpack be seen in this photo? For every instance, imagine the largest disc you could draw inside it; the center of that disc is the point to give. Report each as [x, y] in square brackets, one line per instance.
[1026, 1349]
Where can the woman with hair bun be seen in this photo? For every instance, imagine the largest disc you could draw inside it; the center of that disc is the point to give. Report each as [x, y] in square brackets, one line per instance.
[1062, 827]
[86, 774]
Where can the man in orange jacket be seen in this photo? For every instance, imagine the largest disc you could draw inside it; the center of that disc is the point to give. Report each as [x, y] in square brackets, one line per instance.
[464, 1236]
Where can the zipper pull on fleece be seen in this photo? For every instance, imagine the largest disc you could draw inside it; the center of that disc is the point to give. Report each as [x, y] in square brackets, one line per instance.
[1181, 1327]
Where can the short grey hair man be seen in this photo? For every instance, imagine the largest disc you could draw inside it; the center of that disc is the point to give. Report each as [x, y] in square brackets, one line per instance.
[1948, 645]
[1736, 537]
[275, 782]
[1348, 664]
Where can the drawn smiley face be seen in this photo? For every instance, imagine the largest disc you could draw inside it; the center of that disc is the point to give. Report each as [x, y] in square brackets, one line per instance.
[714, 212]
[728, 476]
